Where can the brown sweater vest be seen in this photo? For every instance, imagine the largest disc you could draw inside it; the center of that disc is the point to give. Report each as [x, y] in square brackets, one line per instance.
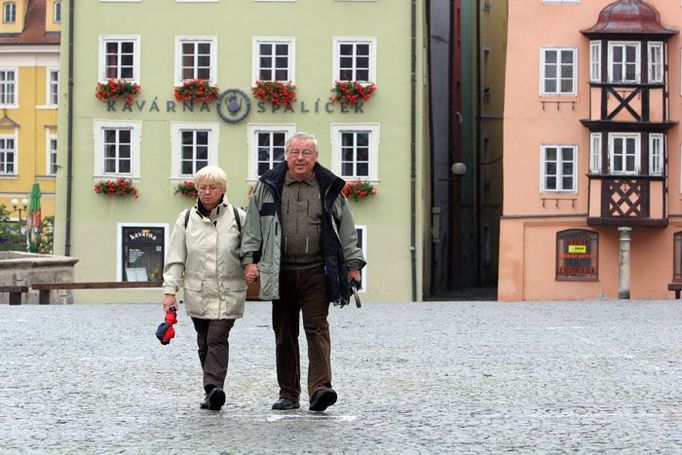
[301, 224]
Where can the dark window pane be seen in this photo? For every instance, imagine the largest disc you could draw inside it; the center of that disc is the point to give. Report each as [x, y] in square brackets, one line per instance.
[551, 169]
[347, 154]
[362, 49]
[263, 139]
[362, 75]
[124, 151]
[201, 164]
[266, 49]
[347, 169]
[346, 49]
[362, 154]
[110, 151]
[278, 154]
[263, 154]
[346, 62]
[278, 139]
[202, 137]
[362, 62]
[281, 75]
[282, 49]
[362, 170]
[550, 183]
[202, 153]
[550, 153]
[363, 139]
[204, 74]
[204, 61]
[124, 136]
[567, 183]
[345, 75]
[187, 168]
[347, 139]
[124, 166]
[187, 153]
[109, 165]
[204, 48]
[263, 168]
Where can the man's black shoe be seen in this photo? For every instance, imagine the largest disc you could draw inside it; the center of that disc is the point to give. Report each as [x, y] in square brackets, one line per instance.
[284, 404]
[214, 400]
[322, 399]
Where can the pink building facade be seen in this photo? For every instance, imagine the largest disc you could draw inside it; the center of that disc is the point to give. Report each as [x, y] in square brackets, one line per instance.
[592, 150]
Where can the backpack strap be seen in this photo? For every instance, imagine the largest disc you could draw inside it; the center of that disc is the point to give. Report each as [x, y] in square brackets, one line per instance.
[236, 218]
[188, 212]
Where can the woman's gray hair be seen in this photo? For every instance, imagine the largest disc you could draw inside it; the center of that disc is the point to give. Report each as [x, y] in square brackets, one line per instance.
[211, 174]
[303, 137]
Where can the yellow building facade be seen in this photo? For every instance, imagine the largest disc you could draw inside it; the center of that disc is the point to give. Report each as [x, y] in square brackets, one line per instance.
[29, 95]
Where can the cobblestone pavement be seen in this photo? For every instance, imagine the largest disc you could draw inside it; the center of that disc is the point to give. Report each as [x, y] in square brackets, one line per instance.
[467, 377]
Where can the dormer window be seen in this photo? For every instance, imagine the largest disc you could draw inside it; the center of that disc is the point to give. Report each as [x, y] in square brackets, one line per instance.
[57, 12]
[9, 12]
[624, 62]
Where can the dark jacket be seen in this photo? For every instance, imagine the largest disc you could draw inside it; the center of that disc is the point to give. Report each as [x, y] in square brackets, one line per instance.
[261, 242]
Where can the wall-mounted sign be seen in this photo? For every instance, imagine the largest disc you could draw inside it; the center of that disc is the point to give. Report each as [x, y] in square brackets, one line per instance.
[233, 105]
[143, 253]
[577, 257]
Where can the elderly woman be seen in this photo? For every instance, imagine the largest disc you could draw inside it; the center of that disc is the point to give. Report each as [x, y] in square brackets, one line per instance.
[203, 260]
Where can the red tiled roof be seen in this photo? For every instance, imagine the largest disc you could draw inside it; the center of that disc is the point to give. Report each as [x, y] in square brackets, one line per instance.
[34, 28]
[629, 17]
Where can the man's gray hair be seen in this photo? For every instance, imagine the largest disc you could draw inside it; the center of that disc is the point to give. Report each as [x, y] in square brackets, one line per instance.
[303, 137]
[211, 174]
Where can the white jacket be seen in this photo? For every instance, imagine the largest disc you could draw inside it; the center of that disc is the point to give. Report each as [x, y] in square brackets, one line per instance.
[204, 260]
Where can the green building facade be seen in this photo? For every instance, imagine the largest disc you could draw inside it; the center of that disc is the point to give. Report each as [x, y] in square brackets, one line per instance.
[158, 141]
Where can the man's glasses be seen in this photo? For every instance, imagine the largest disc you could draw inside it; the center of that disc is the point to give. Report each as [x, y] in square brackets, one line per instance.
[305, 153]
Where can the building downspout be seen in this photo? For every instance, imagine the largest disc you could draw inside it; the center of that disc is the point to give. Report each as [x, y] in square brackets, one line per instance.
[413, 147]
[477, 151]
[69, 134]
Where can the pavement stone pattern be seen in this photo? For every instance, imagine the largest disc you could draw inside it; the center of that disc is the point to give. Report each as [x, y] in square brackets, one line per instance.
[433, 377]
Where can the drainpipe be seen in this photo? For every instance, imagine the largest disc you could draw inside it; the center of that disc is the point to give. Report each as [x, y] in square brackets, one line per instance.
[413, 145]
[624, 263]
[69, 134]
[477, 152]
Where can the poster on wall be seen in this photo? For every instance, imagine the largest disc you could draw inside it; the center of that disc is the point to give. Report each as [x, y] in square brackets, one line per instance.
[143, 253]
[577, 255]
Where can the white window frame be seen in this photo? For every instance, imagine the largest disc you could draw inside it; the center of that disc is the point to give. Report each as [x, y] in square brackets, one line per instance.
[363, 247]
[339, 40]
[51, 138]
[52, 88]
[595, 153]
[98, 141]
[104, 39]
[57, 12]
[9, 12]
[213, 71]
[176, 129]
[119, 242]
[638, 152]
[559, 167]
[595, 61]
[656, 68]
[15, 84]
[274, 40]
[574, 66]
[289, 129]
[374, 141]
[637, 63]
[15, 153]
[656, 148]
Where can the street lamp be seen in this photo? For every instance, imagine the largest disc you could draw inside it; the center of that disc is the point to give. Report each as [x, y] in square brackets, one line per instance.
[19, 208]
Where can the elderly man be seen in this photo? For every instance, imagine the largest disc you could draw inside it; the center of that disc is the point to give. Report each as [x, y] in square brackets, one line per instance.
[300, 241]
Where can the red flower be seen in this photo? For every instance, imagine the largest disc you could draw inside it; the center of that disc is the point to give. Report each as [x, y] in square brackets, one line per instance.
[121, 186]
[348, 93]
[276, 92]
[196, 90]
[358, 189]
[117, 88]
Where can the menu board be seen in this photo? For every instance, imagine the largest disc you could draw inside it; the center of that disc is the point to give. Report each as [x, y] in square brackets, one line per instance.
[577, 255]
[143, 253]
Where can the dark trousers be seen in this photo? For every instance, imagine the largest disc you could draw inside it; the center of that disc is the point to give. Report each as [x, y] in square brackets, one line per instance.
[214, 349]
[302, 291]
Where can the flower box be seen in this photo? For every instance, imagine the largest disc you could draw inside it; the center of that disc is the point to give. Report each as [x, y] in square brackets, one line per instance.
[276, 92]
[358, 189]
[117, 89]
[197, 90]
[349, 93]
[119, 187]
[186, 189]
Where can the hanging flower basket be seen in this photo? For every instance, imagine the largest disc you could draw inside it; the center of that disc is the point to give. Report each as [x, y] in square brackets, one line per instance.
[349, 93]
[118, 187]
[358, 189]
[276, 92]
[117, 89]
[197, 90]
[186, 189]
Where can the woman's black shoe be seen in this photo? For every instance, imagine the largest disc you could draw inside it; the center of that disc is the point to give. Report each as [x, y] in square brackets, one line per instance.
[214, 400]
[322, 399]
